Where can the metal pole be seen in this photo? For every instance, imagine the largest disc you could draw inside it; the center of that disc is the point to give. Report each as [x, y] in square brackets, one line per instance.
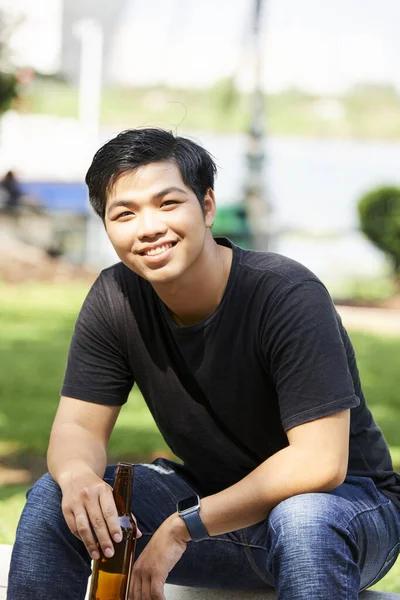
[90, 33]
[254, 198]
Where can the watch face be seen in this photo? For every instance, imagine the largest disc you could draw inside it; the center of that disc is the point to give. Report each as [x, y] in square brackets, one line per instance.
[191, 502]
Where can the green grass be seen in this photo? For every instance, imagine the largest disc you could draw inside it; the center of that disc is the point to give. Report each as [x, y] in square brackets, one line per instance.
[36, 323]
[222, 109]
[365, 289]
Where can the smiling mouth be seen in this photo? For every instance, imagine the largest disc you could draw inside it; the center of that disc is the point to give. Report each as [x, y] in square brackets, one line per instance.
[158, 250]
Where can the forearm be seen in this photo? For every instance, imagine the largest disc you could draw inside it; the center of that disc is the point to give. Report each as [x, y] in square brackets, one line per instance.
[72, 448]
[287, 473]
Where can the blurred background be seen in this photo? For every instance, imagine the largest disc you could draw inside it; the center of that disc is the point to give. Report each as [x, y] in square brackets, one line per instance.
[299, 103]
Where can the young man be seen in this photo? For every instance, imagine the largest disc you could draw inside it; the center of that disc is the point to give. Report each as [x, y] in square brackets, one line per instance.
[252, 380]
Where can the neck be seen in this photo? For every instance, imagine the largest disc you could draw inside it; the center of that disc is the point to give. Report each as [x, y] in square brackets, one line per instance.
[196, 296]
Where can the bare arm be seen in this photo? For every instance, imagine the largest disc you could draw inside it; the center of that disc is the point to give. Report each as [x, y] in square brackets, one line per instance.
[315, 461]
[79, 437]
[76, 459]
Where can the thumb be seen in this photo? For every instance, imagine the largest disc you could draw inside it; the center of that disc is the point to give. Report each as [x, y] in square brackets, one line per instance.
[138, 532]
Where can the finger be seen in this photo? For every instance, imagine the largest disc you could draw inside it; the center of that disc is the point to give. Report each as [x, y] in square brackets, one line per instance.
[101, 531]
[152, 588]
[70, 521]
[110, 513]
[86, 535]
[136, 588]
[156, 591]
[138, 532]
[98, 523]
[146, 589]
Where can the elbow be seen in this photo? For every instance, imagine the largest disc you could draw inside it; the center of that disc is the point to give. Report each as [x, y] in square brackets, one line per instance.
[334, 482]
[333, 476]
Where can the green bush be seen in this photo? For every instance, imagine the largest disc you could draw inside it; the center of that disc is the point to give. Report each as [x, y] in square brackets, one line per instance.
[379, 213]
[8, 79]
[8, 90]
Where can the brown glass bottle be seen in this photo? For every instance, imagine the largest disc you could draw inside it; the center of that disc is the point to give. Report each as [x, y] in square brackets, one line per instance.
[110, 577]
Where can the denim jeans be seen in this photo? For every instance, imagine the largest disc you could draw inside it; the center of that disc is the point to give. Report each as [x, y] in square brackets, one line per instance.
[320, 545]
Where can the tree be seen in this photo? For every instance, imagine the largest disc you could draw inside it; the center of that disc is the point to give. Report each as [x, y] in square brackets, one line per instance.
[379, 213]
[8, 90]
[8, 79]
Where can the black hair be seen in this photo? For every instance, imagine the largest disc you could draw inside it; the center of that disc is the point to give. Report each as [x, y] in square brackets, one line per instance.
[134, 148]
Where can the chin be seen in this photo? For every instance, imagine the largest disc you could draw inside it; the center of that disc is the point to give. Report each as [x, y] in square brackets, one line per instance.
[162, 276]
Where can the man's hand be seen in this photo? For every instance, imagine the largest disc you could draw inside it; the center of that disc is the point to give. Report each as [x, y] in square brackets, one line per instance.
[161, 554]
[88, 500]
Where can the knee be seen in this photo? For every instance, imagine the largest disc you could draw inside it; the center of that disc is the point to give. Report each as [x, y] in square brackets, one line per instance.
[44, 500]
[310, 547]
[306, 520]
[45, 489]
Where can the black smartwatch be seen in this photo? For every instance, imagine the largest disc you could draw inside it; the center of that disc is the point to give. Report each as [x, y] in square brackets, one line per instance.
[189, 509]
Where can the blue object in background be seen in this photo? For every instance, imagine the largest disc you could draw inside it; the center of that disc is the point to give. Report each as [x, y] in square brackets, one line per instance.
[59, 195]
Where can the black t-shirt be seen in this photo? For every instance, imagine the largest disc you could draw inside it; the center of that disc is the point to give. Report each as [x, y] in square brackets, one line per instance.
[273, 355]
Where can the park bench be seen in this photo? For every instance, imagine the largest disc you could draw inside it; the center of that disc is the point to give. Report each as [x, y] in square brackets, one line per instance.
[174, 592]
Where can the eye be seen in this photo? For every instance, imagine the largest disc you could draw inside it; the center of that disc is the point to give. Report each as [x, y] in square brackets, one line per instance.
[126, 213]
[169, 203]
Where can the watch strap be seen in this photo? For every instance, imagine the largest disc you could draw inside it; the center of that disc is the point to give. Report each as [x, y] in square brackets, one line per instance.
[195, 526]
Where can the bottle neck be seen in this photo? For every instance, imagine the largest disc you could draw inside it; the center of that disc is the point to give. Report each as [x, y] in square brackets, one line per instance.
[122, 489]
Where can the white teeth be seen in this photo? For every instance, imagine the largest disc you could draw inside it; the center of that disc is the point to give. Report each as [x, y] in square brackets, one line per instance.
[159, 250]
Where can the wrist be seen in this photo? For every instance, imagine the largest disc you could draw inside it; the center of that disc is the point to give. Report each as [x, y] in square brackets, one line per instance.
[72, 470]
[189, 511]
[178, 528]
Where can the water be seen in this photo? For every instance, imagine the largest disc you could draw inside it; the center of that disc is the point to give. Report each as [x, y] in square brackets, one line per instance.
[313, 187]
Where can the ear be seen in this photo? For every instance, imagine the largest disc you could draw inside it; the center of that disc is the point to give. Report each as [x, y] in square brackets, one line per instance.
[210, 208]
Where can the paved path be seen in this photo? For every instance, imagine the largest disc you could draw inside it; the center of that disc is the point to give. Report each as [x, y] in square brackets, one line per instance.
[373, 320]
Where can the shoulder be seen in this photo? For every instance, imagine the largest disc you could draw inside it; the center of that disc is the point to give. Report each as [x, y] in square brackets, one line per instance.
[270, 265]
[116, 275]
[118, 281]
[281, 287]
[116, 290]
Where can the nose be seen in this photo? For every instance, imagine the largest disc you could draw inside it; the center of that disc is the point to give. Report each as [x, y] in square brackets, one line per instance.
[150, 224]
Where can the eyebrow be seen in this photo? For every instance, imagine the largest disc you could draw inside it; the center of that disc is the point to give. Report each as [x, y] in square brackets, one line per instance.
[156, 196]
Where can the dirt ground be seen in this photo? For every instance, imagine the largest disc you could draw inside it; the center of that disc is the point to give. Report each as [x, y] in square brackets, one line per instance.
[21, 263]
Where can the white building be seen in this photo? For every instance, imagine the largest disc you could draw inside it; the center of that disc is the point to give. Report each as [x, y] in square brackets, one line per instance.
[36, 35]
[109, 15]
[317, 46]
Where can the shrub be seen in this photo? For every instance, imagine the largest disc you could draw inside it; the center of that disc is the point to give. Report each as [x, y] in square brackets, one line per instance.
[379, 213]
[8, 90]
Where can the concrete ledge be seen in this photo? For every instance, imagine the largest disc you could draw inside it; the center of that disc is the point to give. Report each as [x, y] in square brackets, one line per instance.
[176, 592]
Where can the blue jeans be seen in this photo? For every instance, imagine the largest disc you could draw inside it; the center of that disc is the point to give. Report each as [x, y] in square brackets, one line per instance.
[323, 545]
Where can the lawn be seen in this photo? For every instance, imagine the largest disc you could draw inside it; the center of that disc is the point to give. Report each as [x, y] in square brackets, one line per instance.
[366, 114]
[36, 322]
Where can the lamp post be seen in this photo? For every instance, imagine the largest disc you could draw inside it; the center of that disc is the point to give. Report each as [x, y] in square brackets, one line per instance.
[90, 34]
[255, 202]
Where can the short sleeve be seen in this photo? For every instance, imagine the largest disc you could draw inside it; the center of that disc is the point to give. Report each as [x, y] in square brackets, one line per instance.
[306, 354]
[97, 367]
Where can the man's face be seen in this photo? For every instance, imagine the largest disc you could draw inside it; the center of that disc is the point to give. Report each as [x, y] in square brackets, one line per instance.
[155, 222]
